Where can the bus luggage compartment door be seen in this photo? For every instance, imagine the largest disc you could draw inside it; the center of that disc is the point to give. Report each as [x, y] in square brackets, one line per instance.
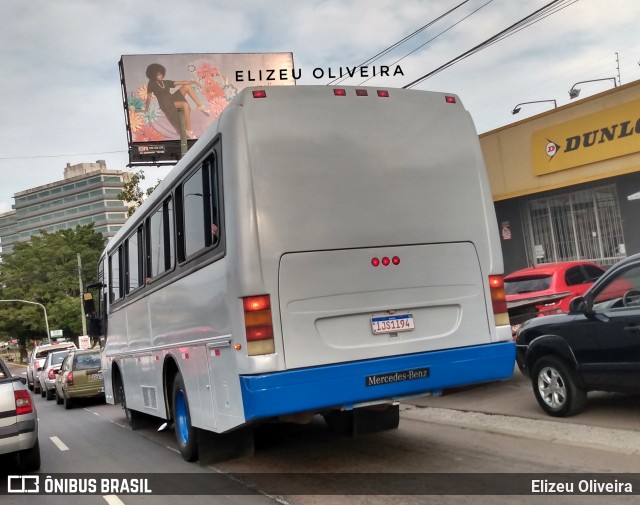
[353, 304]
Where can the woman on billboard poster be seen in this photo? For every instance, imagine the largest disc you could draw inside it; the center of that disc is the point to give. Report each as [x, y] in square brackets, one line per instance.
[168, 101]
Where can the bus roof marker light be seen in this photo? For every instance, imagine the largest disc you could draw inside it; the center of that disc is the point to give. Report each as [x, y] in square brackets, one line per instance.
[259, 93]
[375, 262]
[450, 99]
[383, 93]
[386, 261]
[339, 92]
[395, 260]
[362, 92]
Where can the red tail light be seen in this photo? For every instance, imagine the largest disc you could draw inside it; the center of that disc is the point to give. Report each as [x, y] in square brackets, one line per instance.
[498, 300]
[69, 379]
[51, 374]
[258, 325]
[23, 402]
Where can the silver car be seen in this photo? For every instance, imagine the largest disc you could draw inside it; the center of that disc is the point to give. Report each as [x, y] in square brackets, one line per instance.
[36, 361]
[48, 375]
[18, 422]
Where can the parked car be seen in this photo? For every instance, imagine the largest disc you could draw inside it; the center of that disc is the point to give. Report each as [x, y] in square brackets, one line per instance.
[80, 376]
[547, 289]
[594, 347]
[47, 376]
[18, 422]
[37, 358]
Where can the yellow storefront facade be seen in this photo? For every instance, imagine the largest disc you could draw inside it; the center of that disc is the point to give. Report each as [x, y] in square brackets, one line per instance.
[566, 183]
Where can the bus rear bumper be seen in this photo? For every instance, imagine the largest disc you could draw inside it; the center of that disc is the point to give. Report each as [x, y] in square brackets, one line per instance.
[385, 379]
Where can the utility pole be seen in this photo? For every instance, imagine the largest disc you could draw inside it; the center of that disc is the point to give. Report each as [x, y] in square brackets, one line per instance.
[82, 314]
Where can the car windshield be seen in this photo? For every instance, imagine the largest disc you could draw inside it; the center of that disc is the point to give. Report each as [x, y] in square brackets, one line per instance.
[87, 361]
[527, 284]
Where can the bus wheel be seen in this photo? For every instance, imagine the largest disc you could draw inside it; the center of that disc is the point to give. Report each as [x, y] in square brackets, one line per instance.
[186, 434]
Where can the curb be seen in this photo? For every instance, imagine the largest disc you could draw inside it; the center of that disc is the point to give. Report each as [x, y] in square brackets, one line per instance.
[606, 439]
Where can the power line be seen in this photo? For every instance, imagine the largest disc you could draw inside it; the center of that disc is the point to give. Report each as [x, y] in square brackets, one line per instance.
[58, 155]
[533, 18]
[434, 38]
[402, 41]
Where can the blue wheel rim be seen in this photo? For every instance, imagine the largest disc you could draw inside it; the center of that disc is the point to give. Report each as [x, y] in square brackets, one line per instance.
[182, 417]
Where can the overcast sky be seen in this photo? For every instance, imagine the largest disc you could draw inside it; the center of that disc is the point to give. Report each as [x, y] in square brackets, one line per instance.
[62, 96]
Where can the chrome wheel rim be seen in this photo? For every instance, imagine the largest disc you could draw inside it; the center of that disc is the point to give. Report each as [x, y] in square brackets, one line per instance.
[552, 387]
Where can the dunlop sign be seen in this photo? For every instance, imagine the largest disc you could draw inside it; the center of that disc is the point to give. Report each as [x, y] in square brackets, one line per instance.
[596, 137]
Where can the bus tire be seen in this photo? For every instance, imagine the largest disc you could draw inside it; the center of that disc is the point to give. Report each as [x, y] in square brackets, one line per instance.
[186, 434]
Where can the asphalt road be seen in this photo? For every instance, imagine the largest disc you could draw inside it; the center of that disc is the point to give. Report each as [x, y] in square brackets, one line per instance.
[488, 429]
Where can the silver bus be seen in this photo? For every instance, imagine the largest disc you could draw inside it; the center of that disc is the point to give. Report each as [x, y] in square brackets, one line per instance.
[319, 251]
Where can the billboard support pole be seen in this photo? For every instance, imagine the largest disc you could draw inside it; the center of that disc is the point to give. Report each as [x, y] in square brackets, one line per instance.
[183, 132]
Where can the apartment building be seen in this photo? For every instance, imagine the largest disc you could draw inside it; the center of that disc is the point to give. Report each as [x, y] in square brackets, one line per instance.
[87, 194]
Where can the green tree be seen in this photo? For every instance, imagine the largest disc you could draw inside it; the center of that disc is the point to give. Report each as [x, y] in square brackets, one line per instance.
[132, 193]
[45, 270]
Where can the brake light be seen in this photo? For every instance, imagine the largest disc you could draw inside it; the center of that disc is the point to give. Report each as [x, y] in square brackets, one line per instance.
[498, 300]
[23, 402]
[258, 325]
[69, 379]
[51, 374]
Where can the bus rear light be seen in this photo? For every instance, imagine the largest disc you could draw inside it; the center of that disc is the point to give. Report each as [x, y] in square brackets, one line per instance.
[258, 325]
[450, 99]
[361, 92]
[385, 261]
[23, 402]
[498, 300]
[339, 92]
[259, 93]
[383, 93]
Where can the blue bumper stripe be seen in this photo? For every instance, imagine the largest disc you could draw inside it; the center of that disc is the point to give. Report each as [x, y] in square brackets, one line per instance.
[345, 384]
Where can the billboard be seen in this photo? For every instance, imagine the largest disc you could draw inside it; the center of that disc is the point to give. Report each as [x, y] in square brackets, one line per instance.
[156, 87]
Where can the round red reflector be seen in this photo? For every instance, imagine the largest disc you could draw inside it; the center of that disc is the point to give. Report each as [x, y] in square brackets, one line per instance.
[395, 260]
[386, 261]
[375, 262]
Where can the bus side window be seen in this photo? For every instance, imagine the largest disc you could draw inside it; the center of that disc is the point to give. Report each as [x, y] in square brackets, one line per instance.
[160, 240]
[115, 282]
[212, 162]
[134, 263]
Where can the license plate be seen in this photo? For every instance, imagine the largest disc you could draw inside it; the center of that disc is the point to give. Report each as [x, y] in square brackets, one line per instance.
[95, 377]
[392, 324]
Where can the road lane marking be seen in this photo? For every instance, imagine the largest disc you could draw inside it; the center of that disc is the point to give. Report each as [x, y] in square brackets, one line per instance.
[112, 499]
[59, 443]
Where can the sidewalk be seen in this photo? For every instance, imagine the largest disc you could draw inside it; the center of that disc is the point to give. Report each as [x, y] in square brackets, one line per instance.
[609, 422]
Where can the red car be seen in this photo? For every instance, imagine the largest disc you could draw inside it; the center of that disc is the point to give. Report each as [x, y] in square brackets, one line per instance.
[547, 288]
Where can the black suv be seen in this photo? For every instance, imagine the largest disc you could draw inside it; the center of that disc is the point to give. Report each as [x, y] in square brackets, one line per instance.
[594, 347]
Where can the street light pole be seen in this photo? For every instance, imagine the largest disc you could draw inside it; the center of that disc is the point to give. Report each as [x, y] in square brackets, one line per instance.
[46, 319]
